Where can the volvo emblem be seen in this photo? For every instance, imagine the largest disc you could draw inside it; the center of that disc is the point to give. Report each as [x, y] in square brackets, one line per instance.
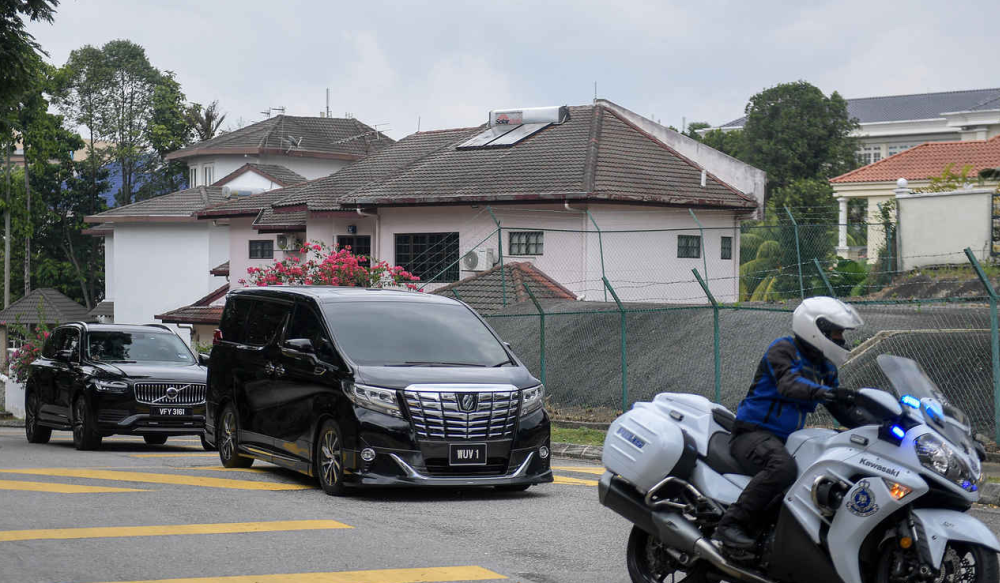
[467, 402]
[172, 393]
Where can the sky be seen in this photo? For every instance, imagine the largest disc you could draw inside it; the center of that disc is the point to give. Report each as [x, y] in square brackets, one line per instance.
[444, 64]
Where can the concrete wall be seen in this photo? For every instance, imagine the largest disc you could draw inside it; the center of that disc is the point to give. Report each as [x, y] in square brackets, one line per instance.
[238, 248]
[163, 266]
[934, 228]
[109, 267]
[251, 181]
[222, 166]
[13, 397]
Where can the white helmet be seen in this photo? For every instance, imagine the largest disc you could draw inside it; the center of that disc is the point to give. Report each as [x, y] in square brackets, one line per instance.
[816, 318]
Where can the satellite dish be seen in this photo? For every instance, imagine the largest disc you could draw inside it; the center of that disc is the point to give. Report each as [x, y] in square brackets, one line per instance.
[470, 261]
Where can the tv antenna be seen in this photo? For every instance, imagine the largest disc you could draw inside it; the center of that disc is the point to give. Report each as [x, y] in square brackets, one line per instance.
[280, 108]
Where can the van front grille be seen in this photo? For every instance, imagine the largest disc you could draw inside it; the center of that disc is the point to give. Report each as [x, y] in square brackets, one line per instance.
[160, 393]
[463, 414]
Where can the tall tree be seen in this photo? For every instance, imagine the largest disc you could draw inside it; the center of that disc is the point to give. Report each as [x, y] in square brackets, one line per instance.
[795, 132]
[19, 53]
[206, 121]
[169, 130]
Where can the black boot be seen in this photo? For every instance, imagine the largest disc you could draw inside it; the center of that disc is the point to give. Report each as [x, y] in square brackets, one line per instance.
[732, 534]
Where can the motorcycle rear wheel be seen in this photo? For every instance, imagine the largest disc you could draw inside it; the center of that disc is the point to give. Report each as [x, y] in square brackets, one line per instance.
[962, 563]
[648, 562]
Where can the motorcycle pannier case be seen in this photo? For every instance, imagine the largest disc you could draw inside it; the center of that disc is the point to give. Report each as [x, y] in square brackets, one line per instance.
[644, 445]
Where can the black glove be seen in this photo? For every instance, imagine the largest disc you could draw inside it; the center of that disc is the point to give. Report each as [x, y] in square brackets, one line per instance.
[837, 395]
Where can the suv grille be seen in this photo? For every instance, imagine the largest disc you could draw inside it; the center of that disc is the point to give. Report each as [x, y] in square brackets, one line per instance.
[440, 415]
[156, 393]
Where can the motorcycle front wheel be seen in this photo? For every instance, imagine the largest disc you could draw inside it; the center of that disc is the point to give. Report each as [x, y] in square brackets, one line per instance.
[962, 563]
[648, 561]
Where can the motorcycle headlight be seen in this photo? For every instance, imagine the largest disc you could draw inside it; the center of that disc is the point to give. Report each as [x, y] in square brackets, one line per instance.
[374, 398]
[532, 399]
[110, 386]
[939, 457]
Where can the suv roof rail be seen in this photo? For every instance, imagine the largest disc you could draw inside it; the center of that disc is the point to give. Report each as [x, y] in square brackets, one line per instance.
[164, 326]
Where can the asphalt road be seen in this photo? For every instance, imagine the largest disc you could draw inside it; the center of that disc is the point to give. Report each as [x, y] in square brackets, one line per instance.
[132, 512]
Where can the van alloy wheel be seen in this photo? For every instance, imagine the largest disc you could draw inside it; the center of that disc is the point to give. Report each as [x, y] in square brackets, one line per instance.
[329, 464]
[229, 441]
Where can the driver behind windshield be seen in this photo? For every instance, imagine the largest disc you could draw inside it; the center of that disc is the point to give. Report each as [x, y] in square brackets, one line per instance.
[796, 373]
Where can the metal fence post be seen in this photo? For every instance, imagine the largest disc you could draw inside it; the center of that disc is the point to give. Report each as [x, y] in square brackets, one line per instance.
[798, 253]
[621, 310]
[994, 340]
[541, 329]
[717, 355]
[822, 276]
[701, 231]
[503, 273]
[600, 245]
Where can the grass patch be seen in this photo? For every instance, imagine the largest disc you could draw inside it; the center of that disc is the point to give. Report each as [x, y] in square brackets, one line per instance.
[579, 435]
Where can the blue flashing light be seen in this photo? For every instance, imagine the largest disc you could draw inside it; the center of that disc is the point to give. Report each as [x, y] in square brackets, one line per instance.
[966, 484]
[974, 487]
[897, 431]
[910, 401]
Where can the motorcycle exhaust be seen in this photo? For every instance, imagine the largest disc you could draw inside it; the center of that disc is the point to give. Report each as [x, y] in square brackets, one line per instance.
[673, 530]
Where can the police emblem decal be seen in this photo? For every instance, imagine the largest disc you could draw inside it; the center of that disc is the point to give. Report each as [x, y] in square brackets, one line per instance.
[862, 500]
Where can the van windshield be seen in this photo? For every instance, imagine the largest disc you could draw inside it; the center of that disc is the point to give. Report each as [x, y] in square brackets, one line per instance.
[413, 334]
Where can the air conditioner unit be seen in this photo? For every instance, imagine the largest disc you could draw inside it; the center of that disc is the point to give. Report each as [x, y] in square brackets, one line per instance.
[289, 242]
[478, 260]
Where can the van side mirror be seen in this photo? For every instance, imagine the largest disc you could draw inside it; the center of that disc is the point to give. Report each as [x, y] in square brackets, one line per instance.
[301, 345]
[203, 359]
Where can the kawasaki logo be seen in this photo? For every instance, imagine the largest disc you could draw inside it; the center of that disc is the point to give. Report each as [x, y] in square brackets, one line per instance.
[876, 466]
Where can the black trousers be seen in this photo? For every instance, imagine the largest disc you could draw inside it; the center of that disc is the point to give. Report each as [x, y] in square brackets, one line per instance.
[763, 456]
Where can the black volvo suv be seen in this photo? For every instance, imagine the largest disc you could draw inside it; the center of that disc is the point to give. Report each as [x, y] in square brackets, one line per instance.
[104, 379]
[373, 387]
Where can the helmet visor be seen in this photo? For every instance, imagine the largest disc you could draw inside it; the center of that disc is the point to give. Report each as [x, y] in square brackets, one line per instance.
[832, 332]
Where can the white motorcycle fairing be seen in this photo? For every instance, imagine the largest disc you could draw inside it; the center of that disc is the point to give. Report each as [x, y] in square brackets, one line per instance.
[940, 526]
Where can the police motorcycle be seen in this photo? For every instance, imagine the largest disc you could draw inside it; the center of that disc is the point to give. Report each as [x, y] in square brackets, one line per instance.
[883, 501]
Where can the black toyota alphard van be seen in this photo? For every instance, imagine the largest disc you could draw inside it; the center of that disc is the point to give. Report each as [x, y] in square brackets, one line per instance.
[373, 387]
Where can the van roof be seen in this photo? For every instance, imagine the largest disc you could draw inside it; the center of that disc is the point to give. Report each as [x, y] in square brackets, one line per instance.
[332, 294]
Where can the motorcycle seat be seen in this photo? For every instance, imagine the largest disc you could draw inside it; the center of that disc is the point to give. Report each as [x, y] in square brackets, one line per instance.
[719, 458]
[724, 418]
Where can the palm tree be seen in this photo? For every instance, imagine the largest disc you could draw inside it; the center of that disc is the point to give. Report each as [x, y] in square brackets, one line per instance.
[205, 121]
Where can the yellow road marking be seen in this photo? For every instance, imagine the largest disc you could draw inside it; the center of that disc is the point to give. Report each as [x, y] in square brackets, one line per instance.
[169, 529]
[420, 575]
[159, 479]
[249, 470]
[173, 455]
[582, 469]
[573, 481]
[60, 488]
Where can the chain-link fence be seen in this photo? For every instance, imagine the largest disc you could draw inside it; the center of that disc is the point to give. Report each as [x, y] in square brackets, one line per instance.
[692, 308]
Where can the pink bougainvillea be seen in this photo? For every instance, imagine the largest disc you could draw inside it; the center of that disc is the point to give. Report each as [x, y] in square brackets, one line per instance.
[317, 264]
[21, 359]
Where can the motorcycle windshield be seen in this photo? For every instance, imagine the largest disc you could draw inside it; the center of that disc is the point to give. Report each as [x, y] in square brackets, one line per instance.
[908, 378]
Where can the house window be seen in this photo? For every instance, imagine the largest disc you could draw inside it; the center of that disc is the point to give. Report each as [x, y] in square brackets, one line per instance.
[526, 243]
[427, 255]
[727, 248]
[208, 171]
[870, 154]
[262, 249]
[359, 244]
[897, 148]
[192, 177]
[688, 246]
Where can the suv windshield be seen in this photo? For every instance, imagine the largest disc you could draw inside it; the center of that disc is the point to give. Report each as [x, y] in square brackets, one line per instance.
[384, 333]
[114, 346]
[908, 378]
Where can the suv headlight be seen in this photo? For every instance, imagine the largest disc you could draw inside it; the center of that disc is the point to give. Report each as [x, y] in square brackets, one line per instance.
[532, 399]
[939, 457]
[374, 398]
[110, 386]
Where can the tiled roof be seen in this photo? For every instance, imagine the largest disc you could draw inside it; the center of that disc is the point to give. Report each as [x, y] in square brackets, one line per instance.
[328, 137]
[273, 172]
[912, 107]
[484, 291]
[927, 161]
[593, 155]
[54, 307]
[271, 222]
[221, 269]
[249, 204]
[183, 203]
[105, 308]
[206, 310]
[100, 230]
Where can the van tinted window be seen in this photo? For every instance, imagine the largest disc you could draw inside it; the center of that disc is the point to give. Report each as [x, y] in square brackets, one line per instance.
[234, 316]
[264, 322]
[306, 324]
[413, 334]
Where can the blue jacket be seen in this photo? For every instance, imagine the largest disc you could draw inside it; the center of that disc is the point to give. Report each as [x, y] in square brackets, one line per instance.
[787, 387]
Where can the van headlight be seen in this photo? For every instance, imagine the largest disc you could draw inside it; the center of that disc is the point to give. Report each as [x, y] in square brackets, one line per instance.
[374, 398]
[110, 386]
[532, 399]
[939, 457]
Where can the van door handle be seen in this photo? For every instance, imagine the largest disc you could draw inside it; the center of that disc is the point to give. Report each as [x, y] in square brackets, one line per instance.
[274, 370]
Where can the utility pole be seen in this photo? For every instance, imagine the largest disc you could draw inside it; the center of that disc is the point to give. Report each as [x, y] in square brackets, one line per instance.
[6, 234]
[27, 236]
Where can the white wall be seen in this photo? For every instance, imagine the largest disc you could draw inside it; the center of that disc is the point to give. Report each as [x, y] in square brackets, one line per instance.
[253, 182]
[109, 267]
[164, 266]
[934, 228]
[224, 165]
[238, 245]
[14, 397]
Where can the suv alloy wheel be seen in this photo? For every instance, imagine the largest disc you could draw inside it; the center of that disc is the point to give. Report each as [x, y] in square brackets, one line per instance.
[84, 435]
[32, 431]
